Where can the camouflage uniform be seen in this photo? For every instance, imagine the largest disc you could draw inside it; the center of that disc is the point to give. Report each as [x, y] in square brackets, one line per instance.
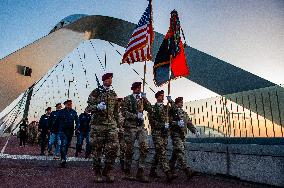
[122, 144]
[134, 131]
[104, 132]
[178, 138]
[32, 133]
[157, 120]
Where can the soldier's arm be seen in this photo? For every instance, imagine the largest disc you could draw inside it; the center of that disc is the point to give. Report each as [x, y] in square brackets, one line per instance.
[189, 124]
[93, 101]
[147, 105]
[125, 110]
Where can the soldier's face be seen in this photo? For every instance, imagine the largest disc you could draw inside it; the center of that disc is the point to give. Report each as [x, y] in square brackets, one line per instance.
[137, 90]
[48, 112]
[108, 82]
[160, 98]
[180, 104]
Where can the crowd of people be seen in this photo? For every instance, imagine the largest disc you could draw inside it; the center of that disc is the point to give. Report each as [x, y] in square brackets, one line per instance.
[111, 125]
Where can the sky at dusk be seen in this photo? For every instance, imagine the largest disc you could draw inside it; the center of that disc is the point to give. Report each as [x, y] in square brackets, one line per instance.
[246, 33]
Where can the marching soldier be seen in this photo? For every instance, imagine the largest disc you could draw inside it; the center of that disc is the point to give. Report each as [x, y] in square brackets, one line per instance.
[102, 102]
[134, 130]
[159, 127]
[122, 145]
[44, 129]
[179, 124]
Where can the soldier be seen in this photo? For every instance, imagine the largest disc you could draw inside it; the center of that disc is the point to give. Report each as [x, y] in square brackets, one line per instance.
[178, 129]
[23, 132]
[54, 131]
[66, 118]
[134, 130]
[32, 132]
[44, 129]
[84, 132]
[102, 102]
[158, 120]
[122, 145]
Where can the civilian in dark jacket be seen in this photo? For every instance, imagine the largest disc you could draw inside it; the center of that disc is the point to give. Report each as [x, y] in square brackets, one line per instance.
[83, 132]
[23, 132]
[66, 117]
[54, 131]
[44, 129]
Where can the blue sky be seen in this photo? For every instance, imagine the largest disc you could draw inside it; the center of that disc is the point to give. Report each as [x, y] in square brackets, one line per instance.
[245, 33]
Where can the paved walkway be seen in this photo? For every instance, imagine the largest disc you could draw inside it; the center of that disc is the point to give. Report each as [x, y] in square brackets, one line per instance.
[22, 167]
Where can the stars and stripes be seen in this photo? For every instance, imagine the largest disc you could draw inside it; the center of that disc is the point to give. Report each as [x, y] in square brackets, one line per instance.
[139, 45]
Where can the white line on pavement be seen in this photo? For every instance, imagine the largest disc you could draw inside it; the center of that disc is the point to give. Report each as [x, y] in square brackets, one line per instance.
[39, 158]
[4, 147]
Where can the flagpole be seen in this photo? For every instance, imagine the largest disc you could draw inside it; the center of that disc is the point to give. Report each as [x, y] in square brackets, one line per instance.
[144, 81]
[169, 91]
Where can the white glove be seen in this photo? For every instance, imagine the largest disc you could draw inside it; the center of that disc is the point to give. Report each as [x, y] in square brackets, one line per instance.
[140, 115]
[167, 125]
[169, 98]
[143, 95]
[181, 123]
[197, 134]
[101, 106]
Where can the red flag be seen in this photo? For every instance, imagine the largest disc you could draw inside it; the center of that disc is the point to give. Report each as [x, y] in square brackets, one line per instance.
[179, 65]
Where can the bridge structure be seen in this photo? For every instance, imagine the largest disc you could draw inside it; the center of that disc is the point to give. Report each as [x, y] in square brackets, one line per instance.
[259, 101]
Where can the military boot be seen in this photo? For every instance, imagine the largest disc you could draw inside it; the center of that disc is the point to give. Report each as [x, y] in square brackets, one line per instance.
[189, 173]
[127, 174]
[140, 176]
[173, 170]
[153, 173]
[107, 174]
[122, 165]
[169, 176]
[98, 177]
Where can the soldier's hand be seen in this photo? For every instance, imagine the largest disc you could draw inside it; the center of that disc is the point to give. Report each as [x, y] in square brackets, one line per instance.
[143, 95]
[197, 133]
[101, 106]
[167, 125]
[181, 123]
[140, 115]
[169, 98]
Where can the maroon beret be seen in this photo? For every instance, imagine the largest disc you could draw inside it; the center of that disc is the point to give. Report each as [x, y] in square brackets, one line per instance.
[106, 76]
[136, 85]
[179, 99]
[119, 99]
[159, 93]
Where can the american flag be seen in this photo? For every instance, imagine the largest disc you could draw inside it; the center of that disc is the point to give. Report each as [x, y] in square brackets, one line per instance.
[139, 45]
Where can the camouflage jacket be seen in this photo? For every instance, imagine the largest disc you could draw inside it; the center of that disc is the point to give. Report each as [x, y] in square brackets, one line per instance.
[108, 117]
[158, 116]
[130, 108]
[177, 114]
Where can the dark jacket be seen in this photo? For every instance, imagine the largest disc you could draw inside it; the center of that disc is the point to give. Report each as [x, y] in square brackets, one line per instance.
[84, 119]
[44, 123]
[54, 123]
[66, 120]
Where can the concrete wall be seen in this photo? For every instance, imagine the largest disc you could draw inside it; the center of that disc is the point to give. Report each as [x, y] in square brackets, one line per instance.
[256, 160]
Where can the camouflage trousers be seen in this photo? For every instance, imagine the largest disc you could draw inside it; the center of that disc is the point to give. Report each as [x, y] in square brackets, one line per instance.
[104, 141]
[160, 142]
[178, 153]
[130, 136]
[122, 145]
